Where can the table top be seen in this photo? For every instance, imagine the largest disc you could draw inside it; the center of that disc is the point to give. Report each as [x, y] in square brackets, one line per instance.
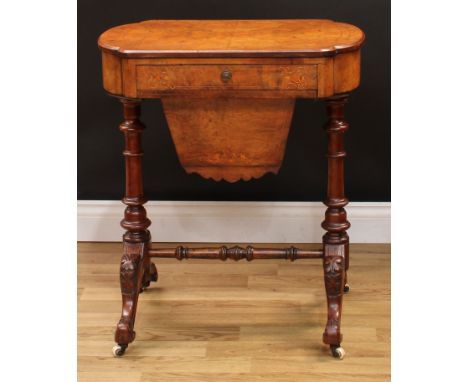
[231, 38]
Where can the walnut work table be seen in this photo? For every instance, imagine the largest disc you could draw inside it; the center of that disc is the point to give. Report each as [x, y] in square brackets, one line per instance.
[228, 89]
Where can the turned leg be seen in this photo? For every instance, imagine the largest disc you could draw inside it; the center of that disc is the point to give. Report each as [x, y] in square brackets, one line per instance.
[336, 240]
[135, 264]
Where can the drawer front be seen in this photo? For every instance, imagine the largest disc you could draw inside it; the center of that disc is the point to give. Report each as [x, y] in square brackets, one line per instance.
[176, 78]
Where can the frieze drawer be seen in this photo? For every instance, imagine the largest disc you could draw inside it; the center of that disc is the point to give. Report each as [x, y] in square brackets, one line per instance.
[176, 78]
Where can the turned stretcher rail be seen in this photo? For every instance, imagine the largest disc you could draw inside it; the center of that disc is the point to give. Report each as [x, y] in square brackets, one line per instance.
[236, 253]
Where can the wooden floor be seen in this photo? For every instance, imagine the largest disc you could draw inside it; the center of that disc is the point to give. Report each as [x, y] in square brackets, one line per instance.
[213, 321]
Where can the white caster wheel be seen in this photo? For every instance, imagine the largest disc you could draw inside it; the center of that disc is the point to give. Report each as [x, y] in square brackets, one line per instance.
[338, 352]
[118, 350]
[346, 288]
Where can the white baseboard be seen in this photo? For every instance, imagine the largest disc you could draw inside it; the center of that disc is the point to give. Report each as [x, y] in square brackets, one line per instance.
[229, 222]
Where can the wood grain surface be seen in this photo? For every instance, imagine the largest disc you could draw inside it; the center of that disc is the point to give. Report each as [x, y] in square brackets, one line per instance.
[241, 77]
[234, 321]
[264, 58]
[232, 38]
[229, 138]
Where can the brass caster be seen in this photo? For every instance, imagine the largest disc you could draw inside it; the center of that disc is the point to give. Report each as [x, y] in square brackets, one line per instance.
[337, 351]
[119, 350]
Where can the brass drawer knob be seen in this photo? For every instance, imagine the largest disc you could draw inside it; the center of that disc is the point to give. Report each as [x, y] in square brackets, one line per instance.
[226, 75]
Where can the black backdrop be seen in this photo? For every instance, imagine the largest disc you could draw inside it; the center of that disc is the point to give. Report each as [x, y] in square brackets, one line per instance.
[303, 174]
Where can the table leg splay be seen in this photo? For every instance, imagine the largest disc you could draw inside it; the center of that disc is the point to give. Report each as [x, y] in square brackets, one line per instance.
[137, 271]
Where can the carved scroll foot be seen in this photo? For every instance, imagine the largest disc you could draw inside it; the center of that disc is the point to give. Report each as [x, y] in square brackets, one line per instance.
[334, 270]
[131, 275]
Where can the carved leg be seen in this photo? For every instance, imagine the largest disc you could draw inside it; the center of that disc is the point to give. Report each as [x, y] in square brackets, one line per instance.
[336, 240]
[131, 275]
[334, 270]
[135, 260]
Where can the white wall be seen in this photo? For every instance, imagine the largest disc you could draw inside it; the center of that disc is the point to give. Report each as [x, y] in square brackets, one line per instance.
[243, 222]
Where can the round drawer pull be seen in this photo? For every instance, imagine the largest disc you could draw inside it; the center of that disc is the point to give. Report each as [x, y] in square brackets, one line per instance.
[226, 75]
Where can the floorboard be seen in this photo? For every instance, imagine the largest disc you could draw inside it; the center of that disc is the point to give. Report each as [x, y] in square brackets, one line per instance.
[234, 321]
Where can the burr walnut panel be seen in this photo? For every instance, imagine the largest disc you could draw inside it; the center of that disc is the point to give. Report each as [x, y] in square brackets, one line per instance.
[228, 87]
[265, 58]
[247, 142]
[231, 38]
[248, 77]
[162, 78]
